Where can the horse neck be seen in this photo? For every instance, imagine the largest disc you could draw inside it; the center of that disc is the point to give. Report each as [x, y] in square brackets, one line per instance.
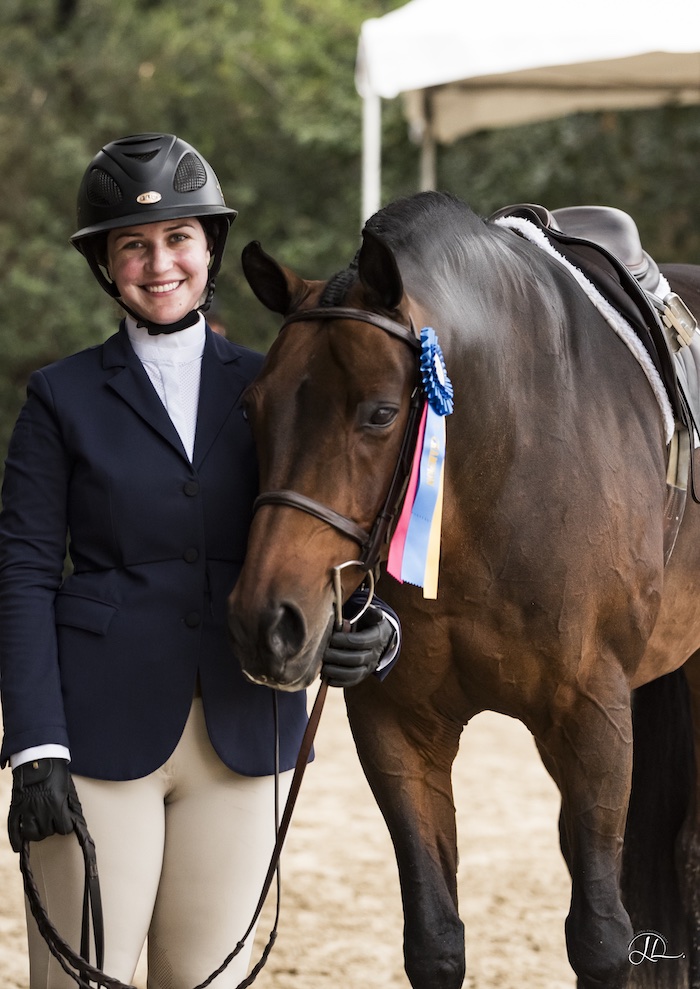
[494, 308]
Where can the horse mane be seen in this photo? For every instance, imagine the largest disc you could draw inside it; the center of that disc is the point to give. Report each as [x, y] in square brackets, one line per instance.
[412, 220]
[411, 224]
[337, 285]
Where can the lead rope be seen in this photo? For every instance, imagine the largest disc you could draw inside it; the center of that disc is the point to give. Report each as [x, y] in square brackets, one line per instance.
[88, 976]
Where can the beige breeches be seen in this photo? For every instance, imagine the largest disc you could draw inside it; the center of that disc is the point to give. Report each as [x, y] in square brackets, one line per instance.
[182, 855]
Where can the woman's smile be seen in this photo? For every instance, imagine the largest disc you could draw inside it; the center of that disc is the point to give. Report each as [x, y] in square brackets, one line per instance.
[160, 289]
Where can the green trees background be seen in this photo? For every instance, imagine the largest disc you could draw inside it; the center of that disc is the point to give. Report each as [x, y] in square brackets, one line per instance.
[265, 90]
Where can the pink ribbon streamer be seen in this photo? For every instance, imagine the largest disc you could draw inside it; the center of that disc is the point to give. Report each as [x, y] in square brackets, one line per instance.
[398, 541]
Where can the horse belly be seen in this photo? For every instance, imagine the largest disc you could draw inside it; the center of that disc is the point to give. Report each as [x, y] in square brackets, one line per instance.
[676, 635]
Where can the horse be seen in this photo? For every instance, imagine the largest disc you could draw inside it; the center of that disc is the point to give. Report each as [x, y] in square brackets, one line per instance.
[556, 604]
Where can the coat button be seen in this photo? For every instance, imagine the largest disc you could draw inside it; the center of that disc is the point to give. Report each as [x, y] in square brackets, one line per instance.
[191, 554]
[192, 619]
[191, 488]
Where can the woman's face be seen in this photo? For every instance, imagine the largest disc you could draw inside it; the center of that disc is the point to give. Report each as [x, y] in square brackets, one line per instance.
[160, 269]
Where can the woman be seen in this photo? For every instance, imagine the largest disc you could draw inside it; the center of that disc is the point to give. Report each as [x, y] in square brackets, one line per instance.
[118, 678]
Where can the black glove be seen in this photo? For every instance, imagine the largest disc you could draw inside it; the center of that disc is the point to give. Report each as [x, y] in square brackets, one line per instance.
[351, 656]
[43, 802]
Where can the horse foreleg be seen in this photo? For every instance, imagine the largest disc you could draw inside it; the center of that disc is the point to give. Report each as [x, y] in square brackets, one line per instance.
[587, 747]
[688, 853]
[408, 763]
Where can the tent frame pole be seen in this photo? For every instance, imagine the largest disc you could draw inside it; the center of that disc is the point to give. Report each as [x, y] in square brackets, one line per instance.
[428, 162]
[427, 177]
[371, 154]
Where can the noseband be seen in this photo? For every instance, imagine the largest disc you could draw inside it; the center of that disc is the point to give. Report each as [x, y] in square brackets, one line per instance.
[371, 542]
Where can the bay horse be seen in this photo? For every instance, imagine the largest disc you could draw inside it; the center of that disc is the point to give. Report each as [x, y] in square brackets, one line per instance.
[555, 605]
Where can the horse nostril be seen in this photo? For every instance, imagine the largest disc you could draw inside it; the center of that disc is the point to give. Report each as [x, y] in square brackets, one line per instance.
[283, 631]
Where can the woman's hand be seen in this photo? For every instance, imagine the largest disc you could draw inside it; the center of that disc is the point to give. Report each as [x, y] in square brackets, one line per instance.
[355, 654]
[44, 801]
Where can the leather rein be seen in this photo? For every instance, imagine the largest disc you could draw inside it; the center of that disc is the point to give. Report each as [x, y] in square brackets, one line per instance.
[370, 542]
[77, 965]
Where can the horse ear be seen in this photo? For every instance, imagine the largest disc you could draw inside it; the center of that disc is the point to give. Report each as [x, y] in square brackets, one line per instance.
[277, 287]
[379, 272]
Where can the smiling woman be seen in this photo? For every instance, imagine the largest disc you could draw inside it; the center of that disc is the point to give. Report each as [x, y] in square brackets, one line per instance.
[120, 691]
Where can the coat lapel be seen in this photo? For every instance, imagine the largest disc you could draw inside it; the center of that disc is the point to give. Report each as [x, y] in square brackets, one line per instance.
[222, 384]
[221, 387]
[133, 385]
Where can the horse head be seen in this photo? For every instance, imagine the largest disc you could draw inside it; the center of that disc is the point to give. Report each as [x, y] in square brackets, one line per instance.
[329, 414]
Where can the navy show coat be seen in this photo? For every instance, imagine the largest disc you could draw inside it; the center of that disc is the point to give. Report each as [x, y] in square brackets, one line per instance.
[105, 660]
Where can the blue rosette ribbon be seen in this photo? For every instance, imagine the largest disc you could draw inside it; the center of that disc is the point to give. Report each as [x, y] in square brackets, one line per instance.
[438, 387]
[414, 553]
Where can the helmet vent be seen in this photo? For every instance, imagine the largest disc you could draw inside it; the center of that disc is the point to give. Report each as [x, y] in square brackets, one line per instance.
[102, 190]
[143, 156]
[190, 175]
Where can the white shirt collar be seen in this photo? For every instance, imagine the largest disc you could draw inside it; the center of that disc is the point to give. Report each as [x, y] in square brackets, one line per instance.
[168, 348]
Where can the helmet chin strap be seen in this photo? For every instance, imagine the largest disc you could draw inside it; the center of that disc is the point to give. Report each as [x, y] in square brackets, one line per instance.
[154, 329]
[189, 319]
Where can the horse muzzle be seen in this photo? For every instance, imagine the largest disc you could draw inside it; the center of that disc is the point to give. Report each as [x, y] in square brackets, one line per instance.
[275, 647]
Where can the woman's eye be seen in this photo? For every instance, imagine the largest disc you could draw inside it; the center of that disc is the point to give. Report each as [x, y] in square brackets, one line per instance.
[383, 416]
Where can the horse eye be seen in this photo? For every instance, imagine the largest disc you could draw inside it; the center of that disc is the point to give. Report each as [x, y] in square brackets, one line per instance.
[383, 416]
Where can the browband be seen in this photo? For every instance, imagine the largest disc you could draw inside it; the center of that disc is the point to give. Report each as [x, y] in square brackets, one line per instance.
[405, 333]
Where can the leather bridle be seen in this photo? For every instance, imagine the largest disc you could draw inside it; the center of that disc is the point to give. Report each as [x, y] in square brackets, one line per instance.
[370, 542]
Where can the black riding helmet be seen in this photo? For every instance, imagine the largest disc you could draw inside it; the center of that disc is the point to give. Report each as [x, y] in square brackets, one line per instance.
[143, 179]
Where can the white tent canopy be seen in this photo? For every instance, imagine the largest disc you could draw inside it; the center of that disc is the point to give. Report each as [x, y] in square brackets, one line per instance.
[463, 66]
